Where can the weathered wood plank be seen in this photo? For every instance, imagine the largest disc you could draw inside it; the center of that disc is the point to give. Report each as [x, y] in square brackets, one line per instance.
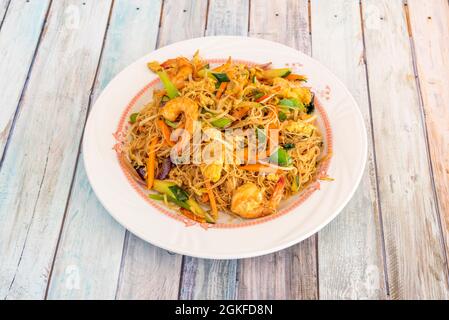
[38, 166]
[204, 278]
[91, 242]
[141, 261]
[19, 38]
[228, 17]
[181, 20]
[350, 248]
[291, 273]
[430, 29]
[148, 272]
[414, 251]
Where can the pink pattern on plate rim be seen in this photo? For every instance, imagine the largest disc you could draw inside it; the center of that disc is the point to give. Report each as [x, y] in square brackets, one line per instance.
[120, 136]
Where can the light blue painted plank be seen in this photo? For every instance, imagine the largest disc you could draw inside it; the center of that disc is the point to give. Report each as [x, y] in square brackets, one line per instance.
[19, 37]
[87, 264]
[149, 272]
[292, 272]
[38, 168]
[350, 257]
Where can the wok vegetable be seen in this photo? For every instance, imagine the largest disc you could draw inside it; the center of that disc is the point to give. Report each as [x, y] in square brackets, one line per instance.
[133, 117]
[172, 91]
[282, 116]
[166, 167]
[276, 73]
[311, 106]
[281, 157]
[221, 77]
[222, 122]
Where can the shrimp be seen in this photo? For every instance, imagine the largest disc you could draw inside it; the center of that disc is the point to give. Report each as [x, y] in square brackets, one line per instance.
[173, 108]
[248, 200]
[178, 69]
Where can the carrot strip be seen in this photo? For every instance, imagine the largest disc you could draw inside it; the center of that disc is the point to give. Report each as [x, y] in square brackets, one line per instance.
[240, 112]
[151, 163]
[293, 77]
[190, 215]
[212, 202]
[204, 198]
[221, 89]
[165, 132]
[262, 98]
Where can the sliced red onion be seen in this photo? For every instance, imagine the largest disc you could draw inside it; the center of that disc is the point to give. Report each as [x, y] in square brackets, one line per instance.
[166, 167]
[141, 171]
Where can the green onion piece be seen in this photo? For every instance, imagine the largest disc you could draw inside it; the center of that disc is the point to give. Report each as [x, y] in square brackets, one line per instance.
[165, 99]
[209, 218]
[222, 122]
[221, 77]
[293, 103]
[160, 197]
[171, 123]
[281, 158]
[295, 184]
[282, 116]
[179, 193]
[288, 146]
[133, 117]
[258, 95]
[172, 91]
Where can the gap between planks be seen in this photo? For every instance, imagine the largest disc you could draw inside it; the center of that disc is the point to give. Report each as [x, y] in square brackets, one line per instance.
[376, 171]
[25, 85]
[426, 133]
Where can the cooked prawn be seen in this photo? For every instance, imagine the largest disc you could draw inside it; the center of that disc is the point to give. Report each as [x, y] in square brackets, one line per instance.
[178, 69]
[248, 200]
[173, 108]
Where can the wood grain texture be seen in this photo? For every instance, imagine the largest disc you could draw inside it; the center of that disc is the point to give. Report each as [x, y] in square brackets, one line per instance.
[414, 251]
[148, 272]
[290, 273]
[430, 30]
[204, 278]
[180, 20]
[350, 248]
[19, 38]
[38, 167]
[88, 260]
[228, 17]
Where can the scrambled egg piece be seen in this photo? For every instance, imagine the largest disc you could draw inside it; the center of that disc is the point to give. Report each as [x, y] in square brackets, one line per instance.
[290, 90]
[273, 177]
[212, 171]
[299, 127]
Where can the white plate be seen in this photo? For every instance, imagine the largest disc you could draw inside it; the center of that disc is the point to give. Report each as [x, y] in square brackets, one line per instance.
[300, 217]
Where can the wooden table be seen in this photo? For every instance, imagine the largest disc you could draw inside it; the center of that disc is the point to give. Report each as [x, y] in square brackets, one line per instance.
[57, 241]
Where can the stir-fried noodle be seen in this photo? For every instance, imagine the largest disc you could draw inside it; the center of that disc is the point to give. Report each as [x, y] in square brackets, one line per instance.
[237, 101]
